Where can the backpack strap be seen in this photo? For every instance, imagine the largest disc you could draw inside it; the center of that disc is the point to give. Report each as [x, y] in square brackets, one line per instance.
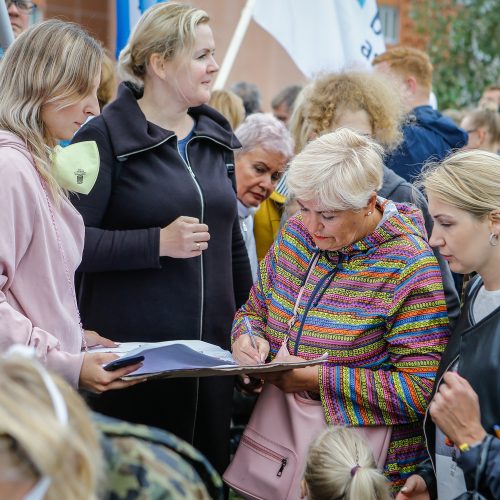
[229, 161]
[154, 443]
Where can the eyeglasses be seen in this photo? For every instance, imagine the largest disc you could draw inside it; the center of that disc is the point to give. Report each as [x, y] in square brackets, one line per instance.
[24, 5]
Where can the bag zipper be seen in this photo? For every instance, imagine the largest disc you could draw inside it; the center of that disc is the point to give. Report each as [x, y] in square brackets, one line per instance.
[266, 452]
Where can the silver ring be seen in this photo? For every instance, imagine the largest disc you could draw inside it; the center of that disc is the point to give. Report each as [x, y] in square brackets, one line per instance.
[198, 246]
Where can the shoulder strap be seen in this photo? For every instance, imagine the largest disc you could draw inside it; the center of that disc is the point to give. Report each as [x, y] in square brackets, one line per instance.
[229, 161]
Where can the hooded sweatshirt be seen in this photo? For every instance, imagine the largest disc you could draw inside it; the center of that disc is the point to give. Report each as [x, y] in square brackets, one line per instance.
[377, 307]
[428, 136]
[40, 249]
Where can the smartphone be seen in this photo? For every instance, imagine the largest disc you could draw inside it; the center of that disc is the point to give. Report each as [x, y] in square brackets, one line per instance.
[123, 362]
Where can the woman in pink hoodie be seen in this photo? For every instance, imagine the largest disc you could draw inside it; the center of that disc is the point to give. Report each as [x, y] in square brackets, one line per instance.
[48, 81]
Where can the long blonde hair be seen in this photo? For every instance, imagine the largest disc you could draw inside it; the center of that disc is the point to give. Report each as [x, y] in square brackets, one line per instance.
[467, 180]
[34, 443]
[51, 62]
[229, 105]
[168, 29]
[341, 465]
[298, 125]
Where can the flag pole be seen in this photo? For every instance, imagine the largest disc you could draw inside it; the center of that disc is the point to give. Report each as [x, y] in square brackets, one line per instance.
[234, 46]
[6, 33]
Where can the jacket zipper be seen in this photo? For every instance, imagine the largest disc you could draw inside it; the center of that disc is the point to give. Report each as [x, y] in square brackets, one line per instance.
[202, 308]
[202, 302]
[427, 414]
[267, 453]
[190, 170]
[125, 157]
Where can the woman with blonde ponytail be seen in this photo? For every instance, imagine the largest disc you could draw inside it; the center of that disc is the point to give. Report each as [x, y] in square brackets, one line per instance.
[341, 466]
[48, 80]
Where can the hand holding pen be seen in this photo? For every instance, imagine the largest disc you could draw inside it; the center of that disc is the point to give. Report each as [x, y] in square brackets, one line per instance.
[252, 337]
[250, 349]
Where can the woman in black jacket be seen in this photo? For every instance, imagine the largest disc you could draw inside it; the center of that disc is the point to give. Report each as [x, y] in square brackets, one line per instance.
[164, 258]
[464, 201]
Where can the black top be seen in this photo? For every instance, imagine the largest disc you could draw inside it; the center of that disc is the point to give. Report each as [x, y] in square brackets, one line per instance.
[129, 292]
[476, 347]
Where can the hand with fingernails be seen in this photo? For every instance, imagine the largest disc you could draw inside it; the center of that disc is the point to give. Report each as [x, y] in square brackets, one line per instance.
[184, 238]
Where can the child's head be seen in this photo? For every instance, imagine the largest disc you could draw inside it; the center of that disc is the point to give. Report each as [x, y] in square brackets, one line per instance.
[49, 447]
[341, 466]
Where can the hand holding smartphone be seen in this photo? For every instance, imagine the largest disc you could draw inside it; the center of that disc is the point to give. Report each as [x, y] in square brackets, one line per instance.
[123, 362]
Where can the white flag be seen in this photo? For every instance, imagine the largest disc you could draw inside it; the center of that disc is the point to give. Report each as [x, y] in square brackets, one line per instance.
[324, 35]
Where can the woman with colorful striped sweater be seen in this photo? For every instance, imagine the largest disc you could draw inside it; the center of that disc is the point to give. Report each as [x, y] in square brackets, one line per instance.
[351, 274]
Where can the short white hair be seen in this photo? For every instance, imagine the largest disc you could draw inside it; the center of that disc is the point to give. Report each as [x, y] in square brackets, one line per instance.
[340, 170]
[263, 130]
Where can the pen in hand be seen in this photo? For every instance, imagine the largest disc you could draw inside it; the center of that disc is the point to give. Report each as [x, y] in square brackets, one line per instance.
[252, 336]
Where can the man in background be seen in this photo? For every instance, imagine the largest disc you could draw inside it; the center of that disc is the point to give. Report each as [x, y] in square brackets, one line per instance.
[250, 94]
[427, 135]
[19, 14]
[490, 98]
[283, 102]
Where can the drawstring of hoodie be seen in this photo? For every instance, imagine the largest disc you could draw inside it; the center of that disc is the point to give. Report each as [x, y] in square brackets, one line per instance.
[318, 292]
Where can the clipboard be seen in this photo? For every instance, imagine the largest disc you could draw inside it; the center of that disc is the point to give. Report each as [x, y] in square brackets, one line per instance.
[195, 359]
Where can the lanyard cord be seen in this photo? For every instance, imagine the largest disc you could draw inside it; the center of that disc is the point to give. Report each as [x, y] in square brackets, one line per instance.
[69, 282]
[313, 299]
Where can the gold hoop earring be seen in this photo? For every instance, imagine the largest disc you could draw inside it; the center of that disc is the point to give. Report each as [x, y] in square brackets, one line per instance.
[493, 239]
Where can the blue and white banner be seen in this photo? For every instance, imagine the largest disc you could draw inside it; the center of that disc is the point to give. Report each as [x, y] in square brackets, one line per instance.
[128, 13]
[324, 35]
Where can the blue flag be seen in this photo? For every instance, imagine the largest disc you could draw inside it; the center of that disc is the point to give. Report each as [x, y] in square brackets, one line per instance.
[128, 13]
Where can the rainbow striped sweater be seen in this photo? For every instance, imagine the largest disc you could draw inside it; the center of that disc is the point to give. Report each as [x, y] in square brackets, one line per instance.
[377, 307]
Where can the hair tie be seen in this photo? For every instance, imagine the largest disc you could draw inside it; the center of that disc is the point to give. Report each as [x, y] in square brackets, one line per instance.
[355, 469]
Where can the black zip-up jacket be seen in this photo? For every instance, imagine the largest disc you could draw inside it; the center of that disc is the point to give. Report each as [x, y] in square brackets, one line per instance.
[476, 347]
[129, 293]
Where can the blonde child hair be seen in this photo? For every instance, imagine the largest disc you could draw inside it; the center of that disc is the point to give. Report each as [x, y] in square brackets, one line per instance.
[341, 466]
[35, 443]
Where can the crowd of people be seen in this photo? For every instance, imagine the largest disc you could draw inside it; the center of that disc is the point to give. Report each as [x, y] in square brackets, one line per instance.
[354, 222]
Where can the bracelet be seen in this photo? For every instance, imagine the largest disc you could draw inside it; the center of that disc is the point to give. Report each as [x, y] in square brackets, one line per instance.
[464, 447]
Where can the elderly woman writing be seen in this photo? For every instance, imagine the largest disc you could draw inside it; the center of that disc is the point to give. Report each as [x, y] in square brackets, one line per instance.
[351, 275]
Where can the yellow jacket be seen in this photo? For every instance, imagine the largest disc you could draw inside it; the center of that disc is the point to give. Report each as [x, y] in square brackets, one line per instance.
[267, 223]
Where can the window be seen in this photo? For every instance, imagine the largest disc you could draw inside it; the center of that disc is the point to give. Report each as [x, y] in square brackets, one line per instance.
[389, 17]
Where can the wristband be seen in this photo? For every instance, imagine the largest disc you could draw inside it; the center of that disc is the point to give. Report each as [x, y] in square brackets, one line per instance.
[464, 447]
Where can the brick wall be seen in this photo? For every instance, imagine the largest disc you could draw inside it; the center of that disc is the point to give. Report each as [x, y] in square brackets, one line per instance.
[97, 16]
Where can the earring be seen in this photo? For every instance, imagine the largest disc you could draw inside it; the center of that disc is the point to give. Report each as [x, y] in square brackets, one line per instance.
[493, 239]
[369, 213]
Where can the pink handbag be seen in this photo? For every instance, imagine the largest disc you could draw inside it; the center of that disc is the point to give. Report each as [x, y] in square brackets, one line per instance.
[270, 460]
